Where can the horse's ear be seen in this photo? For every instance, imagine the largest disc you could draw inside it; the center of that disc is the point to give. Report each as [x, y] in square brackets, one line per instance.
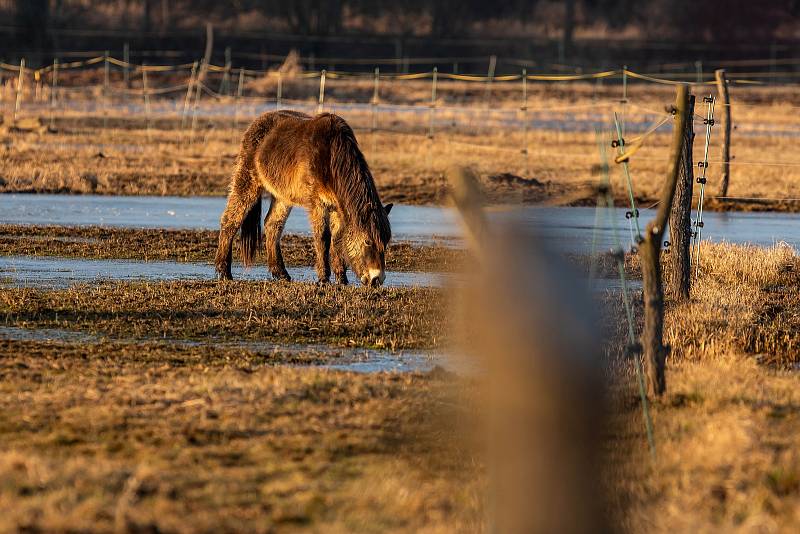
[388, 207]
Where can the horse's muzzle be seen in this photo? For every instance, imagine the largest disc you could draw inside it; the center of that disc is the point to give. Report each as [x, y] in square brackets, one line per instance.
[373, 278]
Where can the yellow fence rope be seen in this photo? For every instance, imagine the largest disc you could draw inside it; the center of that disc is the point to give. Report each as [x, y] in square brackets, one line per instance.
[633, 145]
[740, 78]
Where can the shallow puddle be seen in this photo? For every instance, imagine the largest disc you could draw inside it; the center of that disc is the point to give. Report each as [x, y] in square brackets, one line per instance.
[340, 359]
[53, 272]
[413, 223]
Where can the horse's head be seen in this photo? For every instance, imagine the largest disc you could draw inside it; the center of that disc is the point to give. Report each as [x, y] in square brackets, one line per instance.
[366, 250]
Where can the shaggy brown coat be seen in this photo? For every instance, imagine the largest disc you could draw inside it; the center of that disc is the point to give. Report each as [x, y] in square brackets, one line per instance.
[314, 163]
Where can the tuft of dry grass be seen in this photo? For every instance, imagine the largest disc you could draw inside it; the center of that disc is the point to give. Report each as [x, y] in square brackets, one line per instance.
[745, 302]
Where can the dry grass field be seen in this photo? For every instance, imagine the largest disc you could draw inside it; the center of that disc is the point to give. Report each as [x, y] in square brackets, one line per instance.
[471, 125]
[196, 406]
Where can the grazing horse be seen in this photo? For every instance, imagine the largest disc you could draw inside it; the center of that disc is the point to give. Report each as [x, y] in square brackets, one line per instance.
[314, 163]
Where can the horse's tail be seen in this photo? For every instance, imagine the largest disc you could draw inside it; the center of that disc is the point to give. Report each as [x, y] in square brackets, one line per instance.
[251, 234]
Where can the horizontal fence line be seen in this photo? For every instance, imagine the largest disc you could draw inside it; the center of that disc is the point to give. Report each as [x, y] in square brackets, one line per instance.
[656, 78]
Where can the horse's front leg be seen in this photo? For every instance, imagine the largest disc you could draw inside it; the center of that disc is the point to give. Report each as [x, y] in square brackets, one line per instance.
[338, 261]
[273, 228]
[322, 241]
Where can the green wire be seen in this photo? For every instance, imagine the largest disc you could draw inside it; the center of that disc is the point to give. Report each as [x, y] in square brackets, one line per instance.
[628, 312]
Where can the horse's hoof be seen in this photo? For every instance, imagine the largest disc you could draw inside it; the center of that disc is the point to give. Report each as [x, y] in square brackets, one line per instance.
[224, 277]
[342, 281]
[322, 283]
[281, 277]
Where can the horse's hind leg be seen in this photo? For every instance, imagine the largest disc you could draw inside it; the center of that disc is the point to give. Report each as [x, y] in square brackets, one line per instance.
[322, 241]
[338, 261]
[273, 228]
[244, 197]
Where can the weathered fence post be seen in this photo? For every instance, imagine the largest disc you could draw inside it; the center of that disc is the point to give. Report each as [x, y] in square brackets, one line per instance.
[524, 110]
[224, 86]
[106, 88]
[20, 88]
[198, 89]
[655, 353]
[321, 104]
[279, 91]
[680, 218]
[239, 92]
[146, 95]
[126, 58]
[489, 80]
[433, 102]
[722, 89]
[53, 92]
[375, 97]
[188, 99]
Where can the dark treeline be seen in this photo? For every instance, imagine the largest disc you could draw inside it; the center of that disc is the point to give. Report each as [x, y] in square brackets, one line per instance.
[37, 24]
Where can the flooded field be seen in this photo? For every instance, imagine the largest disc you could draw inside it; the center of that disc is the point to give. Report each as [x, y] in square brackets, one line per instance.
[56, 272]
[567, 229]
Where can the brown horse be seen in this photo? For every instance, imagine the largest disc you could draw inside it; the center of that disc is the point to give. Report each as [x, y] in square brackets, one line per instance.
[314, 163]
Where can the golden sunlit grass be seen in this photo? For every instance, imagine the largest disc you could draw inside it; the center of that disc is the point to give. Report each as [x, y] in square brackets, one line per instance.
[726, 431]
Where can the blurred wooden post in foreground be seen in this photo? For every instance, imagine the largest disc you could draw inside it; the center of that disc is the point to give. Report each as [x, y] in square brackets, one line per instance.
[655, 353]
[722, 89]
[528, 326]
[680, 218]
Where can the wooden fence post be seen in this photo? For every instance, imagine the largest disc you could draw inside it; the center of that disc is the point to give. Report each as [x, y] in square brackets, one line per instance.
[722, 89]
[126, 58]
[655, 353]
[680, 219]
[321, 104]
[146, 96]
[239, 93]
[106, 88]
[188, 99]
[431, 113]
[375, 98]
[20, 89]
[198, 90]
[53, 93]
[279, 93]
[524, 109]
[489, 80]
[224, 86]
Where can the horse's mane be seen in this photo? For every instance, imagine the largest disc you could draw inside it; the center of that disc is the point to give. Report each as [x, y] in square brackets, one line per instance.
[353, 185]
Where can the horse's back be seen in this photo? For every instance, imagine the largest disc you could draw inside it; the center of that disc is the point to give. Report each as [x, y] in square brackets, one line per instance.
[263, 125]
[289, 153]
